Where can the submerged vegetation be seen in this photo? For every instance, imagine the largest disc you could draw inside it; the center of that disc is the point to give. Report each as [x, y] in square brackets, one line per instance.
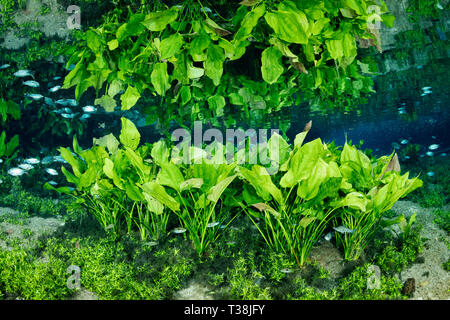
[146, 220]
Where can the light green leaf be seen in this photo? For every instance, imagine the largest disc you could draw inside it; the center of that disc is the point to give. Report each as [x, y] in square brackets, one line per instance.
[129, 135]
[108, 168]
[289, 26]
[160, 78]
[106, 102]
[129, 98]
[171, 46]
[159, 193]
[109, 141]
[158, 21]
[271, 67]
[217, 190]
[216, 103]
[214, 63]
[113, 44]
[170, 176]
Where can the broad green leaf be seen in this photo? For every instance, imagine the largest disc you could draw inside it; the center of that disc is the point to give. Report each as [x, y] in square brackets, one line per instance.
[76, 164]
[216, 103]
[129, 135]
[153, 205]
[88, 177]
[94, 41]
[194, 72]
[198, 47]
[248, 23]
[115, 87]
[70, 177]
[160, 152]
[65, 190]
[265, 207]
[302, 163]
[158, 192]
[191, 183]
[109, 141]
[158, 21]
[171, 46]
[271, 67]
[260, 179]
[216, 191]
[113, 44]
[160, 78]
[108, 168]
[129, 98]
[336, 48]
[106, 102]
[305, 221]
[359, 6]
[289, 26]
[278, 149]
[185, 95]
[214, 63]
[170, 176]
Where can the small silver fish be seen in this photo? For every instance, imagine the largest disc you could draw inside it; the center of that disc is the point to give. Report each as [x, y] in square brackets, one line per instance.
[212, 224]
[53, 183]
[70, 67]
[429, 153]
[328, 236]
[58, 159]
[430, 173]
[69, 115]
[47, 160]
[89, 109]
[51, 171]
[54, 89]
[395, 145]
[150, 243]
[32, 161]
[67, 102]
[85, 116]
[25, 166]
[56, 78]
[342, 229]
[404, 141]
[16, 172]
[179, 230]
[23, 73]
[32, 84]
[433, 147]
[439, 6]
[286, 270]
[5, 66]
[49, 101]
[426, 88]
[34, 96]
[443, 154]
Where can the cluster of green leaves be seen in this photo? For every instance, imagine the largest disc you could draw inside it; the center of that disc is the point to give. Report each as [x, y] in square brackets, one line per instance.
[317, 184]
[194, 64]
[8, 148]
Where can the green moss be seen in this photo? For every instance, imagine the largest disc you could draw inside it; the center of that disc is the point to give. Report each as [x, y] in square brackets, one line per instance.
[442, 219]
[400, 251]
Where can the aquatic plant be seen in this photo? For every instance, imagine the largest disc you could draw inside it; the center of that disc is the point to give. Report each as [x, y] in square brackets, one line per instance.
[197, 188]
[188, 49]
[374, 188]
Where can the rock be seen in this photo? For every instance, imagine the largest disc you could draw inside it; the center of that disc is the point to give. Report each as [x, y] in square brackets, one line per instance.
[409, 287]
